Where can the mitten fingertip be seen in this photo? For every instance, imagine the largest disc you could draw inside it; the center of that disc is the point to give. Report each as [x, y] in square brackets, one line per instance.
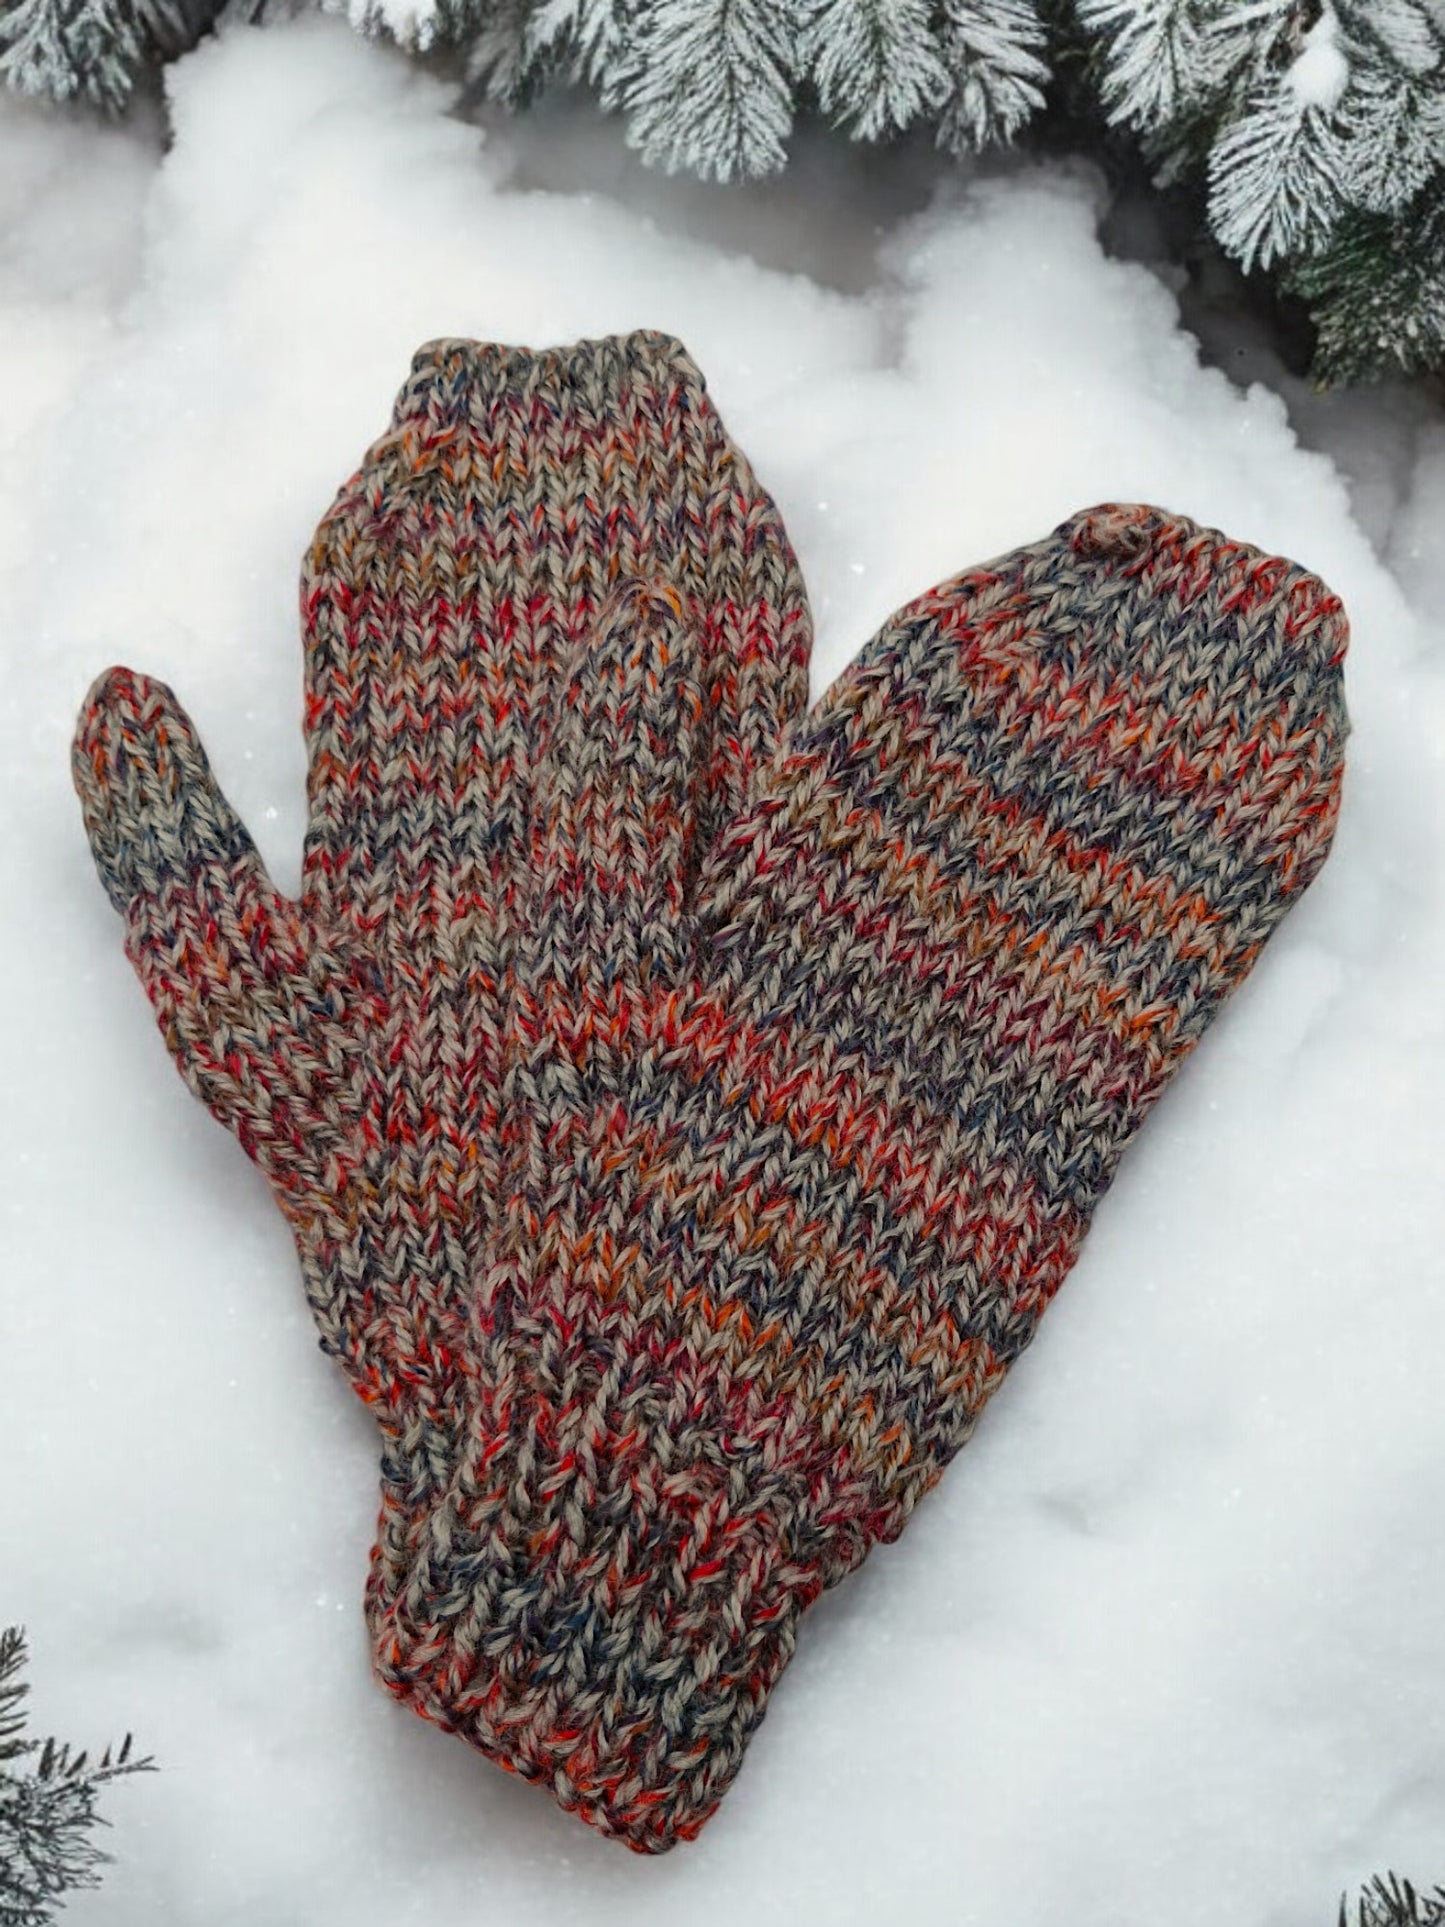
[147, 796]
[108, 719]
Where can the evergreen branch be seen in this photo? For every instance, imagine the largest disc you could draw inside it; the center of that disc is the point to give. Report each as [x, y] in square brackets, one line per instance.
[1376, 293]
[13, 1690]
[1316, 127]
[876, 64]
[1273, 188]
[1389, 1901]
[48, 1813]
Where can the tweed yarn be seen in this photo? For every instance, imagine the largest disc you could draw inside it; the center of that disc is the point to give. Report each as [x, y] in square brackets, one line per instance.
[355, 1040]
[771, 1265]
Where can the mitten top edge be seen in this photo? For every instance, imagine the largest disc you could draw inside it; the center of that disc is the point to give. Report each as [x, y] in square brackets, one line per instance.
[488, 371]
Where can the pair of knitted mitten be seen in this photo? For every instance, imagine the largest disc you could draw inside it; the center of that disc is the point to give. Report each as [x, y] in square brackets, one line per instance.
[809, 1127]
[684, 1118]
[355, 1040]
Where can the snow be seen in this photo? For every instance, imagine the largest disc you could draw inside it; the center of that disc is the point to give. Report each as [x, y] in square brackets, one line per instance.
[1167, 1643]
[1321, 72]
[411, 23]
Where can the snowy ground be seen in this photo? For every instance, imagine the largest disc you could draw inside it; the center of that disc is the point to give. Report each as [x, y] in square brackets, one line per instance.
[1168, 1645]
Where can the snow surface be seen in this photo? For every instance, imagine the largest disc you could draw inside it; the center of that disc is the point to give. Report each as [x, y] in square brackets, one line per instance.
[1168, 1644]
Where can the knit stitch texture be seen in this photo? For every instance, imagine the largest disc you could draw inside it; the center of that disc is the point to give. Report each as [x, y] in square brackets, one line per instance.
[355, 1040]
[796, 1175]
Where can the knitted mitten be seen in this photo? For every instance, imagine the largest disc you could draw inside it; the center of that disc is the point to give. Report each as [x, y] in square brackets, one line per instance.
[760, 1281]
[354, 1040]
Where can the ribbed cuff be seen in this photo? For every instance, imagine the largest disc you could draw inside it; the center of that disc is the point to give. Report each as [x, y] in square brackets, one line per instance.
[626, 1673]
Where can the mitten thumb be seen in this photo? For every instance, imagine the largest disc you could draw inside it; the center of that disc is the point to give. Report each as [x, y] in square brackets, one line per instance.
[153, 811]
[252, 1010]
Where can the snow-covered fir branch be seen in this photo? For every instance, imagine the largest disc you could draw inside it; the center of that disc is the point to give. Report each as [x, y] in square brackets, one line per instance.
[49, 1804]
[1389, 1901]
[1313, 129]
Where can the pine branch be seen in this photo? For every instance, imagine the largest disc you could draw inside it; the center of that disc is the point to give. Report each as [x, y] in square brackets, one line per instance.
[713, 86]
[13, 1690]
[877, 64]
[1392, 115]
[994, 49]
[588, 40]
[1158, 66]
[87, 50]
[1274, 179]
[497, 55]
[1392, 140]
[1316, 128]
[1376, 293]
[49, 1812]
[1389, 1901]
